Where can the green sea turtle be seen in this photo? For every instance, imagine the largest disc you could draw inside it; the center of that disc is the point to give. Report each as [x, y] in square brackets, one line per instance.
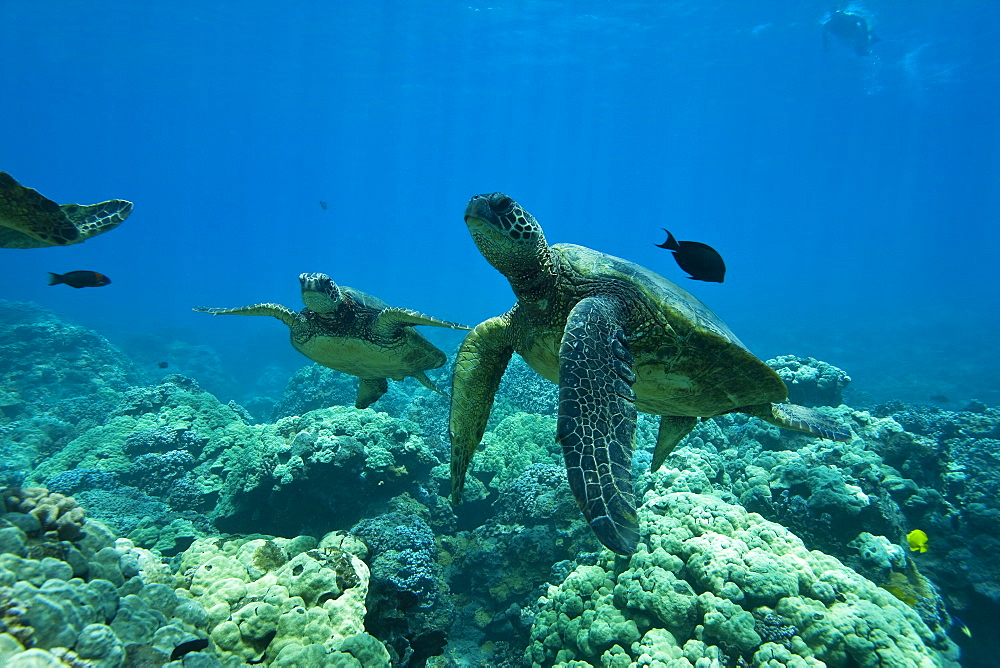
[31, 220]
[353, 332]
[617, 338]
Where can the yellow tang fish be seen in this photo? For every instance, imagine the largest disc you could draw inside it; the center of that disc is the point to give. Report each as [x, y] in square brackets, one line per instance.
[917, 540]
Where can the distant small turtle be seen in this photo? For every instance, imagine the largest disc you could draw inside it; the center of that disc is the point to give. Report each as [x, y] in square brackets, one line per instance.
[617, 338]
[353, 332]
[30, 220]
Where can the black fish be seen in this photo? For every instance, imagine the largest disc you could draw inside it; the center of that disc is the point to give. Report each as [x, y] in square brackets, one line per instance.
[322, 205]
[79, 279]
[851, 29]
[189, 646]
[700, 260]
[940, 398]
[163, 365]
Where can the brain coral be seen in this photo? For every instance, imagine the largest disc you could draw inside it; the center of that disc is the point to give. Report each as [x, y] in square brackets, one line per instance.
[712, 581]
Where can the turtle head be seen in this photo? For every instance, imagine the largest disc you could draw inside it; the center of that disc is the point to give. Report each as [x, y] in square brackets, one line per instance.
[319, 293]
[508, 237]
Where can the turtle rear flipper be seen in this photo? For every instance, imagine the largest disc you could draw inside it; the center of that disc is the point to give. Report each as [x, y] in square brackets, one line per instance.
[800, 418]
[597, 418]
[673, 429]
[370, 390]
[426, 382]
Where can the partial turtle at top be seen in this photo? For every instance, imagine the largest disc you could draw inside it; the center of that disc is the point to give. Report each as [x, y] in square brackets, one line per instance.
[617, 338]
[353, 332]
[31, 220]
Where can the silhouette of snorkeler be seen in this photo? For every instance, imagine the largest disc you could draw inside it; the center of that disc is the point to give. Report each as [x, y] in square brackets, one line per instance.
[851, 29]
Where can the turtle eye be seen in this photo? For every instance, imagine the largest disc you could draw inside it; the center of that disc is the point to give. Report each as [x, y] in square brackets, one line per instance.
[500, 203]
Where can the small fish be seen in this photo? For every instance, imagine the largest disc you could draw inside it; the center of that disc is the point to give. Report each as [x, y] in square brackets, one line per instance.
[960, 625]
[917, 540]
[79, 279]
[700, 260]
[187, 647]
[163, 365]
[322, 205]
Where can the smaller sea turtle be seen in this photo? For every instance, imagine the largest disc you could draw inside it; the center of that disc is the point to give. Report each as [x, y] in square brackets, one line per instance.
[31, 220]
[353, 332]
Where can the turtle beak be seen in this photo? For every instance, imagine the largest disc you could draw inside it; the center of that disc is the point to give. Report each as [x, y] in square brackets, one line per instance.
[478, 206]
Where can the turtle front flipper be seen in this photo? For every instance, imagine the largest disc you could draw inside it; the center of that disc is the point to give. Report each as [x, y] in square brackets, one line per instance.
[480, 365]
[392, 318]
[597, 418]
[282, 313]
[673, 429]
[31, 213]
[800, 418]
[94, 219]
[370, 390]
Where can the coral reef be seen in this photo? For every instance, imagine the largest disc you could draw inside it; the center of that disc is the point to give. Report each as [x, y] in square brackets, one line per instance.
[57, 379]
[713, 581]
[952, 492]
[314, 387]
[89, 599]
[811, 382]
[168, 466]
[178, 444]
[147, 452]
[514, 443]
[410, 611]
[328, 468]
[102, 602]
[522, 390]
[282, 602]
[57, 516]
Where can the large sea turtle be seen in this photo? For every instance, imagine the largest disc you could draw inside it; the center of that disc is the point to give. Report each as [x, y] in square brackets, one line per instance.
[30, 220]
[617, 338]
[353, 332]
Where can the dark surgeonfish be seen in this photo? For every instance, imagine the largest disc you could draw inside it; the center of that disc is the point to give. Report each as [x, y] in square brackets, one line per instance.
[851, 29]
[79, 279]
[700, 260]
[188, 647]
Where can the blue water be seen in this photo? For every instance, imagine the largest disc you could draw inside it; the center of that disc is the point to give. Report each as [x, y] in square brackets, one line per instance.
[855, 200]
